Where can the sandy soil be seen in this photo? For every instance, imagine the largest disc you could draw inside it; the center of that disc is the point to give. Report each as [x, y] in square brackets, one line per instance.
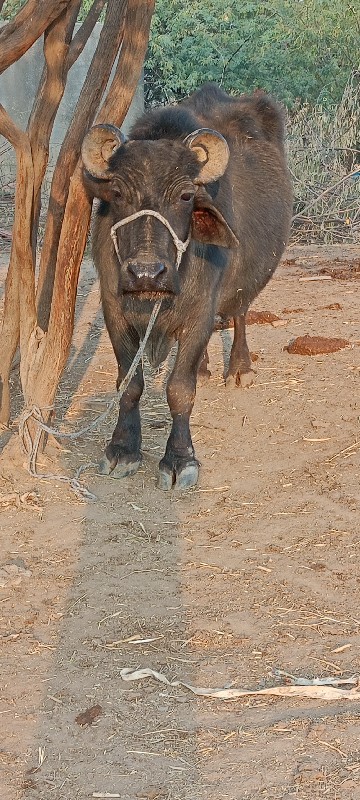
[254, 570]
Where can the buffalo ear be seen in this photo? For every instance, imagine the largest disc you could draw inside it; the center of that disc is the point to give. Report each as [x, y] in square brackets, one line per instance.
[99, 145]
[208, 224]
[211, 150]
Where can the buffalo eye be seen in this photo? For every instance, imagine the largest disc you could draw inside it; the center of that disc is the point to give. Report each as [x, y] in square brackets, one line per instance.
[117, 192]
[186, 196]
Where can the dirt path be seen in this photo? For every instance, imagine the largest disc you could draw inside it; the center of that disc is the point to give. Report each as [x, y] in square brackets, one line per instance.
[256, 569]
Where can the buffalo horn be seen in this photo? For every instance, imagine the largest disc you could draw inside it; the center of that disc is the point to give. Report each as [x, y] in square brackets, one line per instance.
[99, 144]
[212, 151]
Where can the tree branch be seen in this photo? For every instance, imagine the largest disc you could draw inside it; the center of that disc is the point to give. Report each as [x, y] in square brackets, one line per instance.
[49, 94]
[130, 63]
[78, 207]
[27, 26]
[326, 191]
[241, 45]
[81, 37]
[19, 318]
[88, 102]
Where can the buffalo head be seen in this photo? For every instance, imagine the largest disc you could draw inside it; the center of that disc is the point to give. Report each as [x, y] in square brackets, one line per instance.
[154, 195]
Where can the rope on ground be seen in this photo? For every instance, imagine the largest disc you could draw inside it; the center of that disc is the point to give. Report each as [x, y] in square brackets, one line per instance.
[31, 445]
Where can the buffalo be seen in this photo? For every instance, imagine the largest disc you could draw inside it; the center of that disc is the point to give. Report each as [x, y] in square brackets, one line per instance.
[195, 210]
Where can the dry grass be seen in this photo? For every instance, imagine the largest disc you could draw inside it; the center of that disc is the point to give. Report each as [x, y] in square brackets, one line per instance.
[323, 150]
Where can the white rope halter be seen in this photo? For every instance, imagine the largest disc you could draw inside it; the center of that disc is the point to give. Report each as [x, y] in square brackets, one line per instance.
[180, 246]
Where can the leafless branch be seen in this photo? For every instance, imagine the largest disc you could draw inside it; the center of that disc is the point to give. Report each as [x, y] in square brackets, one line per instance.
[88, 102]
[27, 26]
[48, 97]
[325, 192]
[81, 37]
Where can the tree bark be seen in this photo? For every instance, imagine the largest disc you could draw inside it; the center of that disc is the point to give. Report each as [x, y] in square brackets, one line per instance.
[27, 26]
[44, 351]
[49, 95]
[31, 166]
[19, 318]
[130, 64]
[81, 37]
[53, 355]
[90, 96]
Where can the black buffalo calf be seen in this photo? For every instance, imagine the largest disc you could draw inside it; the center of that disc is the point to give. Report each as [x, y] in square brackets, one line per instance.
[195, 210]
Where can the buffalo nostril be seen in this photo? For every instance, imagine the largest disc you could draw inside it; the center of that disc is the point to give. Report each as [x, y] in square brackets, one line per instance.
[149, 271]
[159, 268]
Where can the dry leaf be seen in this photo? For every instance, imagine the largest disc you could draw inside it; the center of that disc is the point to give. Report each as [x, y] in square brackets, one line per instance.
[312, 691]
[89, 716]
[20, 500]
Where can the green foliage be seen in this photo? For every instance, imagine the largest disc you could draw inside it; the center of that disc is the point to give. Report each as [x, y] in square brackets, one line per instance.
[10, 8]
[296, 49]
[84, 10]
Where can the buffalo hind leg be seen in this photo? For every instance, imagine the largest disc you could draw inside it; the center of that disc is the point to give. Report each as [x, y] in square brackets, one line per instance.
[240, 372]
[123, 453]
[203, 372]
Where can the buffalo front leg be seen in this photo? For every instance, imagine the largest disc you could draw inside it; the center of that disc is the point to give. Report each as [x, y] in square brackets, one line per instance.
[180, 467]
[123, 453]
[240, 372]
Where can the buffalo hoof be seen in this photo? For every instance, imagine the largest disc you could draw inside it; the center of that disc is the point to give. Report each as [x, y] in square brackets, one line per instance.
[118, 469]
[181, 479]
[165, 480]
[243, 379]
[188, 477]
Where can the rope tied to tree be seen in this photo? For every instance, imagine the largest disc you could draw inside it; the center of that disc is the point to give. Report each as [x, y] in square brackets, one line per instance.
[31, 447]
[31, 444]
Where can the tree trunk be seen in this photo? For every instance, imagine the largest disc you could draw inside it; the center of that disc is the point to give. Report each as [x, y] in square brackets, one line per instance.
[49, 95]
[89, 99]
[33, 148]
[53, 351]
[19, 318]
[83, 34]
[45, 335]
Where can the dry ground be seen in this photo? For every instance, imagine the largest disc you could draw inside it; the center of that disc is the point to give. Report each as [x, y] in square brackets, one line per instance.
[254, 570]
